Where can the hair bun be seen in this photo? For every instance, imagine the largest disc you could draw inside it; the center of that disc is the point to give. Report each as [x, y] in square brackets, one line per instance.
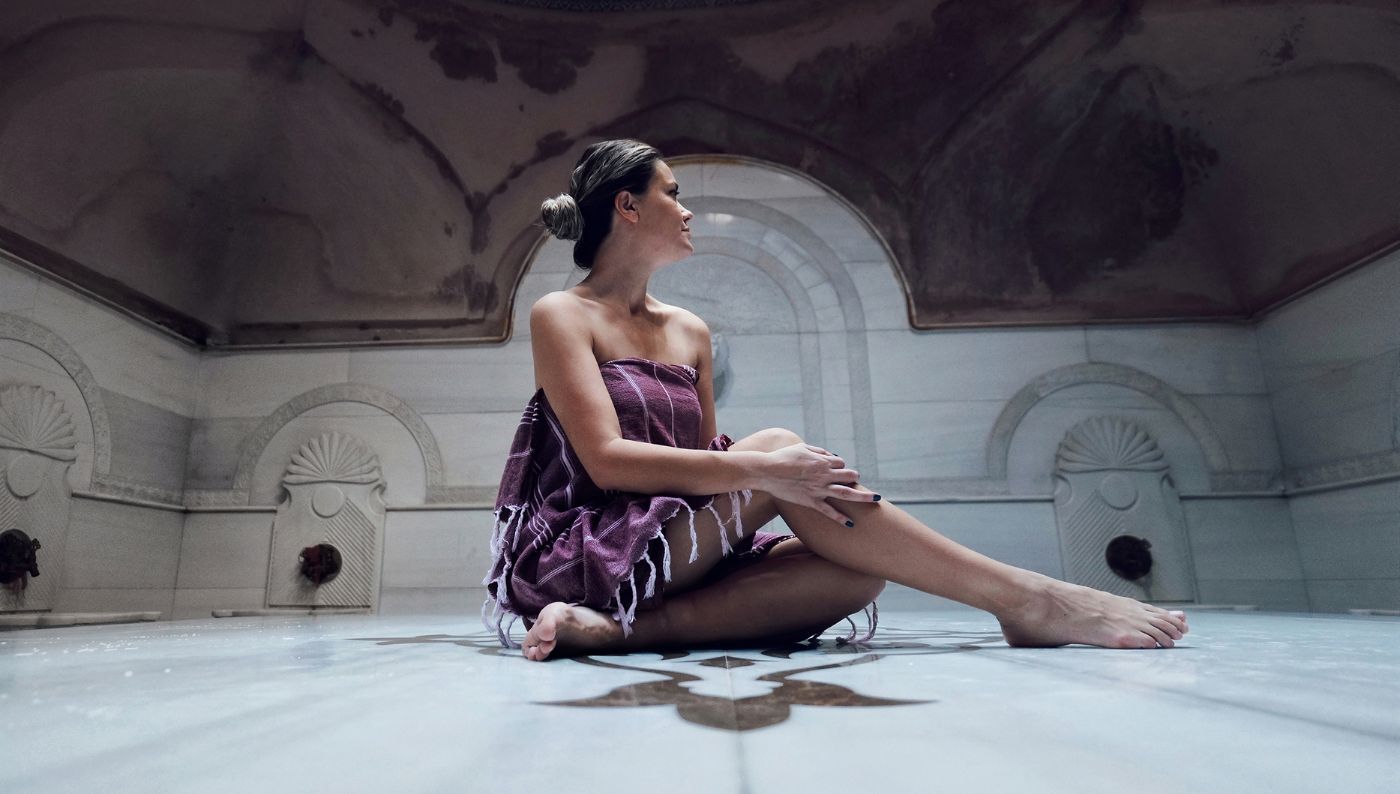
[562, 217]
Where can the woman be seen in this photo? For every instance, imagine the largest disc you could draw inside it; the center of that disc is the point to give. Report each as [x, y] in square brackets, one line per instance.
[610, 536]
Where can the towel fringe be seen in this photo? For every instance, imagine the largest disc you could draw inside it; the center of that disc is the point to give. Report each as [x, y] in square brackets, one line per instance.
[694, 539]
[726, 549]
[651, 578]
[872, 615]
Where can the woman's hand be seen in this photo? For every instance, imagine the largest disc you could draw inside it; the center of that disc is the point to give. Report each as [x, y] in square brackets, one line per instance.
[808, 476]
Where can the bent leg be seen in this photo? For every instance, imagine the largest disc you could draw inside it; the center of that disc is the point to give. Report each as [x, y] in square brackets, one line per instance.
[786, 597]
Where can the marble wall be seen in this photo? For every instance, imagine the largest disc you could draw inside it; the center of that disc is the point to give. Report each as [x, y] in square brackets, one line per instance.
[1332, 360]
[960, 427]
[129, 389]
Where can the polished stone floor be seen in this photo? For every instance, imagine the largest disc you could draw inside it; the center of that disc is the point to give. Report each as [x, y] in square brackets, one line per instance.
[1250, 702]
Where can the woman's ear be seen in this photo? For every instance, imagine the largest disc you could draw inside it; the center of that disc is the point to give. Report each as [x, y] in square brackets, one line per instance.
[626, 205]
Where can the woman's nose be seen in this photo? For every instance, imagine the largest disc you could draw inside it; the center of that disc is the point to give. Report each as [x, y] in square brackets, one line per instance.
[687, 214]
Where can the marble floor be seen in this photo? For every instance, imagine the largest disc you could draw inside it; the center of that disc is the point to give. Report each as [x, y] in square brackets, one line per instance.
[1249, 702]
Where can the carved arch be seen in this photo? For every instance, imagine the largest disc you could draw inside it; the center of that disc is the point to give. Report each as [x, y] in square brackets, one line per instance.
[22, 329]
[255, 445]
[999, 444]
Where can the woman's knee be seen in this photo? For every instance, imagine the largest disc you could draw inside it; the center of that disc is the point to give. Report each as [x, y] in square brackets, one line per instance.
[863, 589]
[773, 438]
[851, 590]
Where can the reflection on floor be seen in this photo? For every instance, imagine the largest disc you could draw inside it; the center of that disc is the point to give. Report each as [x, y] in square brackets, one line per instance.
[1249, 702]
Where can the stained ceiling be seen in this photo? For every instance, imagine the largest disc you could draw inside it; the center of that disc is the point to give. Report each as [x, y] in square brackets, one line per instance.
[280, 172]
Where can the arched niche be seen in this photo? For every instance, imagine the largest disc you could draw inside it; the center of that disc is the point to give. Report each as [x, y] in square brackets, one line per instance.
[408, 450]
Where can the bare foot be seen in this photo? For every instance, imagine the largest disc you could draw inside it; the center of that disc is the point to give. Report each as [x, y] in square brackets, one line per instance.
[1061, 613]
[566, 629]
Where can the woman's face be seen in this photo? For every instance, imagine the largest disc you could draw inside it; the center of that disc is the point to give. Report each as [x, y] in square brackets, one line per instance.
[665, 220]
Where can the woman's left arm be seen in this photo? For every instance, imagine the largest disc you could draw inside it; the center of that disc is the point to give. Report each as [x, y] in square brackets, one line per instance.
[704, 379]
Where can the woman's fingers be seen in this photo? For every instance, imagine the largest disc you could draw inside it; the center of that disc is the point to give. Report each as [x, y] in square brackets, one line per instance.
[849, 494]
[843, 476]
[833, 514]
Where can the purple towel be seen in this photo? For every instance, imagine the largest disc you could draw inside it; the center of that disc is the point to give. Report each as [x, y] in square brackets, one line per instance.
[559, 537]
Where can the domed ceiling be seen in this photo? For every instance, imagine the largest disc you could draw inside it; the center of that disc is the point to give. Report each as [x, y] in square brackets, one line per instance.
[347, 171]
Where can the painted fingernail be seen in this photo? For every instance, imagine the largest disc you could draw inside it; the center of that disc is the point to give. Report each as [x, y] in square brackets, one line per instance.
[850, 523]
[877, 497]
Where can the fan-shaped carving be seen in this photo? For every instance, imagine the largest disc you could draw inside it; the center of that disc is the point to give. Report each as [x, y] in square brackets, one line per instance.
[1106, 442]
[333, 457]
[34, 419]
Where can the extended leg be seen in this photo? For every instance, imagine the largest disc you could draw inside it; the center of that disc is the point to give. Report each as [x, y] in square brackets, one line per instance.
[1034, 610]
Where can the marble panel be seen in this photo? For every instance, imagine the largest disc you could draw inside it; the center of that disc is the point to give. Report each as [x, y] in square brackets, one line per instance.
[809, 275]
[533, 286]
[740, 421]
[123, 354]
[732, 296]
[836, 351]
[465, 601]
[554, 256]
[450, 380]
[400, 459]
[883, 300]
[966, 365]
[343, 410]
[212, 462]
[436, 548]
[838, 400]
[225, 551]
[1339, 595]
[200, 602]
[1031, 458]
[1304, 339]
[256, 384]
[934, 439]
[1242, 539]
[474, 446]
[1245, 426]
[1280, 595]
[17, 289]
[839, 427]
[748, 181]
[116, 599]
[1351, 533]
[1193, 359]
[113, 545]
[824, 295]
[1345, 412]
[13, 351]
[1022, 534]
[149, 444]
[836, 225]
[764, 370]
[711, 222]
[1333, 437]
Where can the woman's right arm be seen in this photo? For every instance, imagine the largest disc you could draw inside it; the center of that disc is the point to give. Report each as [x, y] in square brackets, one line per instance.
[567, 370]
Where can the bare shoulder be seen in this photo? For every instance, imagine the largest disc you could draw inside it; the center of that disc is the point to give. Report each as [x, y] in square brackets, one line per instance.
[691, 323]
[557, 308]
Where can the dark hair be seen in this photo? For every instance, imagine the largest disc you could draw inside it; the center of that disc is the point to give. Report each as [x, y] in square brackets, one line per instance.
[585, 212]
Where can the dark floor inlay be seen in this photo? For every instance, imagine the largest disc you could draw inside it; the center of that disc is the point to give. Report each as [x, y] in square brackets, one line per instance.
[745, 713]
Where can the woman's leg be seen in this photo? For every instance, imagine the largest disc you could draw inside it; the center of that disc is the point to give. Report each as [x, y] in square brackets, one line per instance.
[887, 543]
